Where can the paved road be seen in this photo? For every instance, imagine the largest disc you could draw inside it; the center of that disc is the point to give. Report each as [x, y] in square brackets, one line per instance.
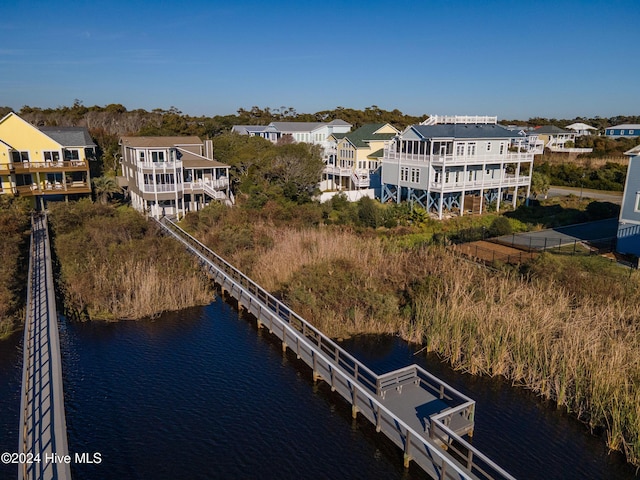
[607, 196]
[553, 237]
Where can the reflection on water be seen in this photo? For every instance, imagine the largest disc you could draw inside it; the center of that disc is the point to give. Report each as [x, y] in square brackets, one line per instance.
[204, 394]
[527, 436]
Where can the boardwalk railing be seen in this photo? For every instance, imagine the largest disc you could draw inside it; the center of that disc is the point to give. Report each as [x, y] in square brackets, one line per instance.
[43, 431]
[351, 379]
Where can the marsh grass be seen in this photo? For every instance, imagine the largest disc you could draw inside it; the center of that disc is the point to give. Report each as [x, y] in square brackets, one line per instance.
[545, 331]
[14, 261]
[114, 265]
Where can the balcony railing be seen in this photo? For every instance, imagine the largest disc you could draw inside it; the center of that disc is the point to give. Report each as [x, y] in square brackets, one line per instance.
[506, 181]
[60, 165]
[55, 188]
[342, 172]
[418, 158]
[217, 184]
[160, 166]
[160, 188]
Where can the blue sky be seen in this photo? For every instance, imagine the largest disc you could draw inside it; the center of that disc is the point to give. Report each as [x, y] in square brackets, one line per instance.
[514, 59]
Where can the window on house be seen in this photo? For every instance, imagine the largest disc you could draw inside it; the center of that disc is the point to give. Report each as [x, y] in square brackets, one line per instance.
[51, 156]
[446, 176]
[415, 175]
[71, 154]
[471, 148]
[631, 132]
[436, 177]
[19, 156]
[502, 145]
[637, 206]
[488, 146]
[460, 149]
[404, 174]
[157, 156]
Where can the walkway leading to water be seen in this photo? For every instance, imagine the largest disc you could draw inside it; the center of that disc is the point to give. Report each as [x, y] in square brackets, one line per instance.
[419, 413]
[43, 431]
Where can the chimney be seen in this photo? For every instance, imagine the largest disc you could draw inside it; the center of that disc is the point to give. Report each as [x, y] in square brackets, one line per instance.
[208, 149]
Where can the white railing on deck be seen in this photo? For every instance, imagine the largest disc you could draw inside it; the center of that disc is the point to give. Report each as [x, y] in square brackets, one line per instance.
[391, 155]
[362, 380]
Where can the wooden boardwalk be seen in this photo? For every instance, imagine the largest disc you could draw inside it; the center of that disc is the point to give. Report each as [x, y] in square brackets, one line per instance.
[43, 431]
[419, 413]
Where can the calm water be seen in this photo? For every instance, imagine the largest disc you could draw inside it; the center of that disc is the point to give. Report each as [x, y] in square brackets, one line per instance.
[203, 394]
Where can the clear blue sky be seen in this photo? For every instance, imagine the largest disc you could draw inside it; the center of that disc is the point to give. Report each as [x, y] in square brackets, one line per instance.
[514, 59]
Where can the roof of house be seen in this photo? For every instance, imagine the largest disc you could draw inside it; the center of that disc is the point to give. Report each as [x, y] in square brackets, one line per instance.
[634, 151]
[465, 131]
[339, 122]
[338, 136]
[580, 126]
[69, 136]
[550, 130]
[191, 160]
[625, 126]
[377, 154]
[160, 142]
[253, 128]
[306, 126]
[359, 138]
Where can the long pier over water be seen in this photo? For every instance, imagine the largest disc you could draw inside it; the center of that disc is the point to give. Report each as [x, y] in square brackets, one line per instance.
[43, 431]
[419, 413]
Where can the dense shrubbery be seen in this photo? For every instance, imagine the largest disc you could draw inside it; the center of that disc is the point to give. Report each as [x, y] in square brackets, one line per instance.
[609, 177]
[14, 243]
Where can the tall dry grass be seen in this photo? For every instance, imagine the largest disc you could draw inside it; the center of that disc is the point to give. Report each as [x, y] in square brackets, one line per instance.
[115, 265]
[578, 351]
[137, 288]
[586, 162]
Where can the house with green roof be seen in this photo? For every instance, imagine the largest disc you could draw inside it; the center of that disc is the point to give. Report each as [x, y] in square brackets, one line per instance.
[354, 158]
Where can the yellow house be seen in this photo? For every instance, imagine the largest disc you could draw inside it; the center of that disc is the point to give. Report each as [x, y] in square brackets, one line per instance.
[357, 155]
[46, 161]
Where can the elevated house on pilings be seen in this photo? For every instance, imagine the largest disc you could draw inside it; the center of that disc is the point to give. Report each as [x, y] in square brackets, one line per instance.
[457, 164]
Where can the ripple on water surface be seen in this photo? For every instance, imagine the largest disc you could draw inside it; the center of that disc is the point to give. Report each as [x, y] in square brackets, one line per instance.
[202, 394]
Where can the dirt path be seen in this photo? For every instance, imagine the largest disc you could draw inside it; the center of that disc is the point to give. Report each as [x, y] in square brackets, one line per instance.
[492, 252]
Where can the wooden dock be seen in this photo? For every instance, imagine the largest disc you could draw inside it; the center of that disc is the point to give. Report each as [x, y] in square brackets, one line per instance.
[43, 432]
[426, 418]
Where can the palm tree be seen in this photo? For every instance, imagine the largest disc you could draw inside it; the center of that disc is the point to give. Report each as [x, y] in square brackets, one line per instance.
[104, 187]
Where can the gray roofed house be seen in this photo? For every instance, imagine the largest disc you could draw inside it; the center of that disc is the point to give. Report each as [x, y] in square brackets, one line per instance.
[465, 131]
[316, 133]
[457, 164]
[69, 136]
[555, 139]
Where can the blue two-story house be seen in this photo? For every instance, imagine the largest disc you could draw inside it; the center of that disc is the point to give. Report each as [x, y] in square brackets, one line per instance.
[626, 130]
[629, 221]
